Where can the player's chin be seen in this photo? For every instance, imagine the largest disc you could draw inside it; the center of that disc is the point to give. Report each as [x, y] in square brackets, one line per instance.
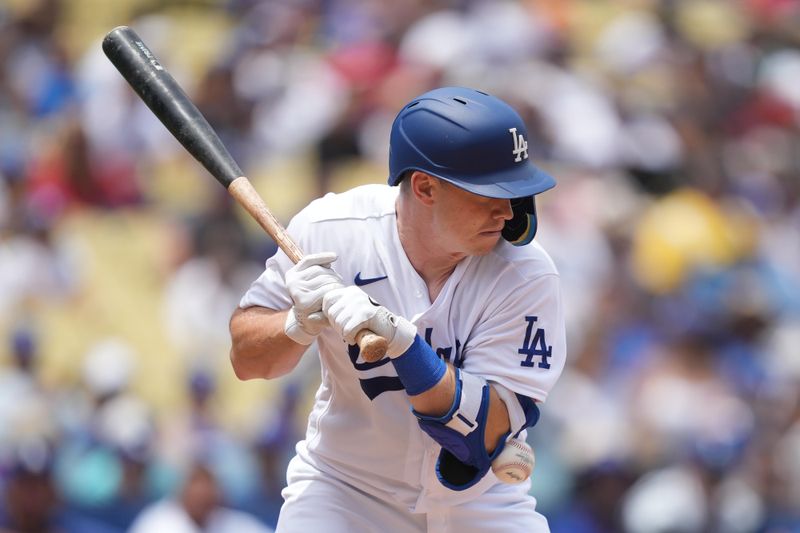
[486, 242]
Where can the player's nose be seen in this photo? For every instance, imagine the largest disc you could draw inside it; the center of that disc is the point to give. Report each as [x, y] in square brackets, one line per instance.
[501, 209]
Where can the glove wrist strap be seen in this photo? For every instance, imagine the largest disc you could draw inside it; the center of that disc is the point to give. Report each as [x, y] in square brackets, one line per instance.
[294, 329]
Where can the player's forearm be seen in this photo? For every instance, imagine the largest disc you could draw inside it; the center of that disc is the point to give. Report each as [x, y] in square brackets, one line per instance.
[438, 401]
[430, 382]
[259, 346]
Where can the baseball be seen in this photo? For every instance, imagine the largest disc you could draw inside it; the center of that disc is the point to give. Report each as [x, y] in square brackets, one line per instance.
[515, 463]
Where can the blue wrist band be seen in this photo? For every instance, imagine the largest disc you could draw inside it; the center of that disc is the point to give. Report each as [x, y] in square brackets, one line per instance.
[419, 368]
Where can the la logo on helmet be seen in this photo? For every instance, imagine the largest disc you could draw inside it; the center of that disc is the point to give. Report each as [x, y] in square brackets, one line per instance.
[520, 146]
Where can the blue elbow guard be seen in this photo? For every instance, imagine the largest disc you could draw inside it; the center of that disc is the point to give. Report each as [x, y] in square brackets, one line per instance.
[463, 460]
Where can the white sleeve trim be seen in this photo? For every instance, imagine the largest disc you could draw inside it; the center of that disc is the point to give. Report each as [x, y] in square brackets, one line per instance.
[516, 416]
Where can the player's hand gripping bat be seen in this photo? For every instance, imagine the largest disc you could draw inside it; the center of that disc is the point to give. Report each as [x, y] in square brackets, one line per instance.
[165, 98]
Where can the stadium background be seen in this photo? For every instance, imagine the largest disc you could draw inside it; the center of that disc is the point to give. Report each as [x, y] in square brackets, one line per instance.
[671, 125]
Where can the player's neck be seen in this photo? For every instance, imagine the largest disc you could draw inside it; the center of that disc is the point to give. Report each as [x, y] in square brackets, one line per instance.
[427, 257]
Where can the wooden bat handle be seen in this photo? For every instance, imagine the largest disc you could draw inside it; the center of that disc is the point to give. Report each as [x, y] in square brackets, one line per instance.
[244, 193]
[373, 347]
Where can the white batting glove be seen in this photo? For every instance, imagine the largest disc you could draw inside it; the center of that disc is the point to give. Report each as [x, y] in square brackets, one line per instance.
[304, 329]
[350, 310]
[307, 283]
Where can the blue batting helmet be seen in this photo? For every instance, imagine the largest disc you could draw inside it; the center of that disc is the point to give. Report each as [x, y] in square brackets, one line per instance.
[476, 142]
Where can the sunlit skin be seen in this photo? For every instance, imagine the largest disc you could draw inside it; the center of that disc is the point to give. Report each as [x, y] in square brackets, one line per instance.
[441, 224]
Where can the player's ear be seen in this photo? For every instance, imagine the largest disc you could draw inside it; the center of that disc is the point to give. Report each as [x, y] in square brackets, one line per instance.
[422, 186]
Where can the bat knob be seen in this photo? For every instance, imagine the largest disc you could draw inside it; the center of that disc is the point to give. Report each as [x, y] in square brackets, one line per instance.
[373, 347]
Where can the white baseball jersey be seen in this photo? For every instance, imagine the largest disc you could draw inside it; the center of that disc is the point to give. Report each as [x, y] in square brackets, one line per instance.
[498, 316]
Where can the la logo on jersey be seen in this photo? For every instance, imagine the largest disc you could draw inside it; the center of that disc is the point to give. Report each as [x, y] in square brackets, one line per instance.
[535, 345]
[520, 145]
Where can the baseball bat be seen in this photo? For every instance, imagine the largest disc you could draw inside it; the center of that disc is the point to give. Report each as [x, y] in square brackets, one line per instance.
[165, 98]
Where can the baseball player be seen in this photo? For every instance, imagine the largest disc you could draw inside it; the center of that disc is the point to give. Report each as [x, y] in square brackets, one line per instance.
[441, 263]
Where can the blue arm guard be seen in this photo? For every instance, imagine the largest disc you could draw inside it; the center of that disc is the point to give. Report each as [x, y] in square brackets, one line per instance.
[463, 460]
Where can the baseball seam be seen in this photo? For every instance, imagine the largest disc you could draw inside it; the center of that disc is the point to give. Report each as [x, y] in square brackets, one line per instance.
[519, 469]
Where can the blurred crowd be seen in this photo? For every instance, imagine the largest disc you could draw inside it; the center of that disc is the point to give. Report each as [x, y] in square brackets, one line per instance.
[672, 126]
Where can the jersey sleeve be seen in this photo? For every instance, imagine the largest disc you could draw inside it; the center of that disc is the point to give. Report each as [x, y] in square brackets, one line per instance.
[520, 340]
[269, 289]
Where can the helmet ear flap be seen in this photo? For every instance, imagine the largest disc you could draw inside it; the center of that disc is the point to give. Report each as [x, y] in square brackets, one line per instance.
[521, 228]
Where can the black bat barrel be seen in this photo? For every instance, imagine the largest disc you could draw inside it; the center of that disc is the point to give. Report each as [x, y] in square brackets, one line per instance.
[162, 94]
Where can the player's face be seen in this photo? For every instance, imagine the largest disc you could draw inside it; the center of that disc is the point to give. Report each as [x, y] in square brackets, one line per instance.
[469, 223]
